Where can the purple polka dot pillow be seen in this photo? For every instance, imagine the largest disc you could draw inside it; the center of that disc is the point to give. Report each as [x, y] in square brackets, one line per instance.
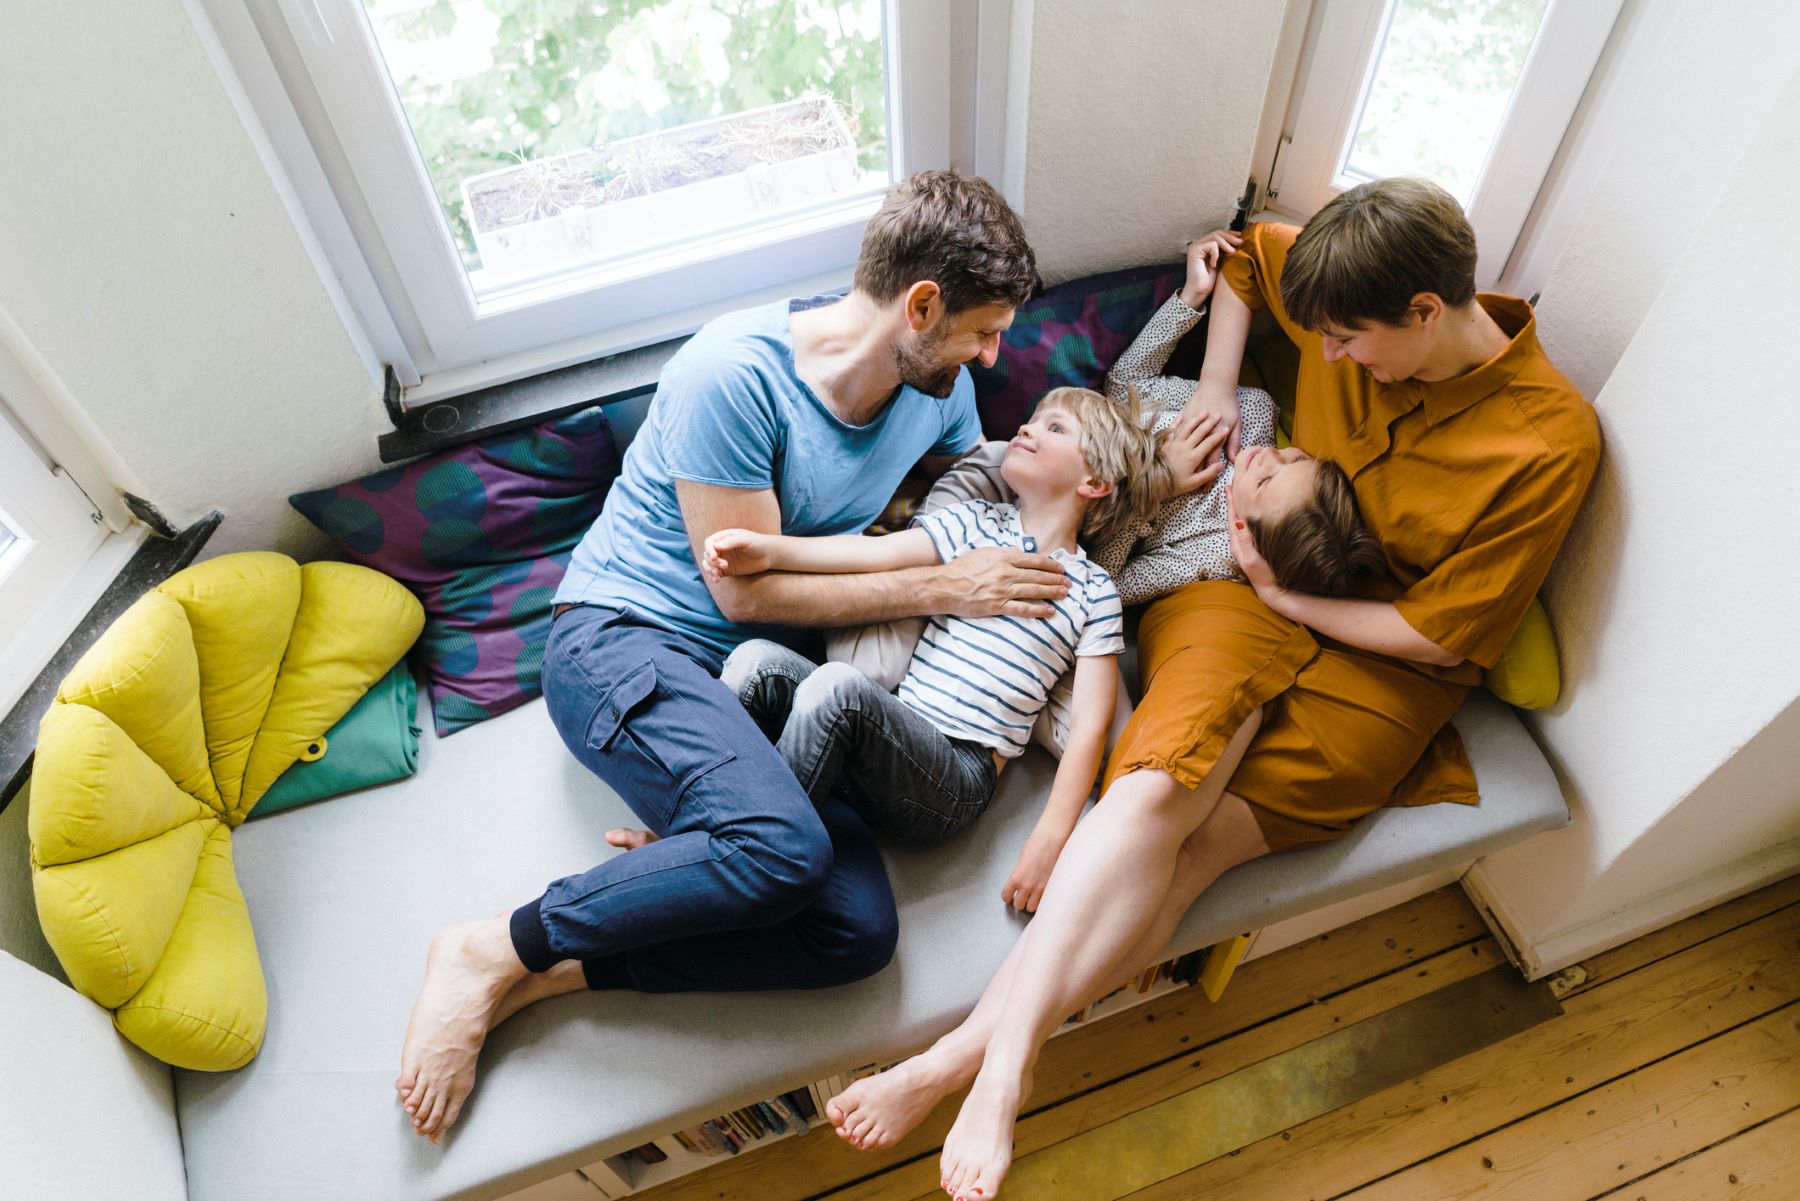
[1067, 336]
[482, 534]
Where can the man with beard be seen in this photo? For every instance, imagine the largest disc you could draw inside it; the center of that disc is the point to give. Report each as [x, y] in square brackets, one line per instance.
[799, 417]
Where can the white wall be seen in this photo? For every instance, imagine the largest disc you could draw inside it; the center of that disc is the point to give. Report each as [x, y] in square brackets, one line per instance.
[1137, 125]
[1674, 597]
[146, 255]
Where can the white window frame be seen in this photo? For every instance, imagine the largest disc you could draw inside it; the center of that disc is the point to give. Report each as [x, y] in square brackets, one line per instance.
[1305, 164]
[310, 82]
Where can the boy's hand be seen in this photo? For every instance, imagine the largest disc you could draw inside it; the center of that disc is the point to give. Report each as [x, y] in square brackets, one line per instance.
[1025, 887]
[1203, 256]
[735, 552]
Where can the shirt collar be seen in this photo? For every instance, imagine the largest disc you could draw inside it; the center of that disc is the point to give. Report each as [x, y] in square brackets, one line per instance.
[1444, 399]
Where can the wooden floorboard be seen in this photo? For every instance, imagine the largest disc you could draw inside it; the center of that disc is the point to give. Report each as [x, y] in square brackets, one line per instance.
[1760, 1164]
[1684, 1045]
[1157, 1032]
[1624, 1130]
[1603, 1034]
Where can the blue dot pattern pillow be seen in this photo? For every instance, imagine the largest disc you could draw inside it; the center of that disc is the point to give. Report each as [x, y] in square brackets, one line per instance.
[482, 534]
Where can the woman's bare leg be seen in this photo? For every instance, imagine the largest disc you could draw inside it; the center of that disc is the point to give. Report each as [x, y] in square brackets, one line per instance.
[1105, 896]
[879, 1111]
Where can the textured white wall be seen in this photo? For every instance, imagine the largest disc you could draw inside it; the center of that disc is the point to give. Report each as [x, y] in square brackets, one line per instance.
[1139, 123]
[146, 255]
[1674, 598]
[1715, 71]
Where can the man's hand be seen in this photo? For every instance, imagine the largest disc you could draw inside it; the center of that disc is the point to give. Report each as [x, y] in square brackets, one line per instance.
[994, 580]
[735, 552]
[1256, 569]
[1025, 887]
[1192, 449]
[1203, 256]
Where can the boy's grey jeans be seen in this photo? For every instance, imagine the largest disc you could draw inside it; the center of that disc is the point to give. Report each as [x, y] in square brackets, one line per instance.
[837, 729]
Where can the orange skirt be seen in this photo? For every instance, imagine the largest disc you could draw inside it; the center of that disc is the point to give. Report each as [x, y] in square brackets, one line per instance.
[1344, 732]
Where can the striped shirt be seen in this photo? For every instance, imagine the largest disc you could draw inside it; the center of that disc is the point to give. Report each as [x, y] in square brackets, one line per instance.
[984, 679]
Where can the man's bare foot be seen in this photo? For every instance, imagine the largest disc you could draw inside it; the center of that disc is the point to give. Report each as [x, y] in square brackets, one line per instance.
[879, 1111]
[468, 970]
[630, 839]
[978, 1149]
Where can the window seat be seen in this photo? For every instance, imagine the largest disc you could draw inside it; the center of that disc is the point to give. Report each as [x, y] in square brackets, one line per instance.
[346, 895]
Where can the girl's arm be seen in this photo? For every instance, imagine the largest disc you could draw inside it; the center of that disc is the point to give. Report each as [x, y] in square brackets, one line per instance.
[1096, 691]
[1367, 625]
[737, 552]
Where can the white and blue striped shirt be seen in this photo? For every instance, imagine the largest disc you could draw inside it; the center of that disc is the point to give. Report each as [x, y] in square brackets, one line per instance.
[985, 679]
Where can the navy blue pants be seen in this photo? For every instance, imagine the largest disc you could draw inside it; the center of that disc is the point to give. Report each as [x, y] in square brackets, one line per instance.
[751, 886]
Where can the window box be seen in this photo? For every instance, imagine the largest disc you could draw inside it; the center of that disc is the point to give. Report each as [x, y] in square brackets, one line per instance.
[636, 194]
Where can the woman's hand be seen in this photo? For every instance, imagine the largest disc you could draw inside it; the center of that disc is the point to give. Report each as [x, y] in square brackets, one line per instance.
[736, 553]
[1025, 887]
[1193, 449]
[1203, 256]
[1256, 569]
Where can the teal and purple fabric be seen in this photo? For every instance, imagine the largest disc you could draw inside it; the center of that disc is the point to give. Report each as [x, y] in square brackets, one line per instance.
[482, 534]
[1067, 337]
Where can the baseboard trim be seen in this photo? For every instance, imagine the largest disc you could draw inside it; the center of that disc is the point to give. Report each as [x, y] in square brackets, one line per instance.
[1542, 955]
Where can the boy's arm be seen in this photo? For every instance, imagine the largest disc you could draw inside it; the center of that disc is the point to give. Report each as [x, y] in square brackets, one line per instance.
[746, 552]
[981, 583]
[1096, 686]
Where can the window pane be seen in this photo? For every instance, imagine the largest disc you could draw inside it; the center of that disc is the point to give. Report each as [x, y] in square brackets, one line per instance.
[1446, 72]
[564, 133]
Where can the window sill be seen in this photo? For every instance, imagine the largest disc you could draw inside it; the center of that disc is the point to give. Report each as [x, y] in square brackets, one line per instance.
[116, 583]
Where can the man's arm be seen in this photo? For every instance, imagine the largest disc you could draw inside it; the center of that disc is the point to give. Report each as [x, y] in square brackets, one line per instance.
[981, 583]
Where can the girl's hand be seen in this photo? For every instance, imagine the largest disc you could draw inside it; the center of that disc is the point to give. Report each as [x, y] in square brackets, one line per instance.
[1203, 256]
[1192, 449]
[1255, 568]
[1025, 887]
[735, 552]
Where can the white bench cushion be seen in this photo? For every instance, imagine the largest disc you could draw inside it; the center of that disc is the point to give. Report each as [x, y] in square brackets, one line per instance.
[345, 896]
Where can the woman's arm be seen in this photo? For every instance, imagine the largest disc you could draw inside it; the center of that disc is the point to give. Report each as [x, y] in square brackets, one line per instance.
[1096, 692]
[737, 552]
[1367, 625]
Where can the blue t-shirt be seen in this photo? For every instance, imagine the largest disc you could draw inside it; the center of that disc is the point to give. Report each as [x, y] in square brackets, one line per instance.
[730, 410]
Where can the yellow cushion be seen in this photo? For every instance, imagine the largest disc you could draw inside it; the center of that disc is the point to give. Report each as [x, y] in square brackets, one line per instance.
[160, 740]
[1528, 673]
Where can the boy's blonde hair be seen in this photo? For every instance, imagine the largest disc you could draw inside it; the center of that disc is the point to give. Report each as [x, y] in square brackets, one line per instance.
[1119, 450]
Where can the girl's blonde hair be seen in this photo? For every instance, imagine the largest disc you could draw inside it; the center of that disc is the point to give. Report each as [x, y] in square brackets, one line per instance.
[1119, 450]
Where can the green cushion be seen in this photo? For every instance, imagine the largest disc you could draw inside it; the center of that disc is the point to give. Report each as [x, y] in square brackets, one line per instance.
[375, 743]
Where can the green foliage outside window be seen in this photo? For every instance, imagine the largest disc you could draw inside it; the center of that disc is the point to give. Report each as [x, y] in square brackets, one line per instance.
[568, 75]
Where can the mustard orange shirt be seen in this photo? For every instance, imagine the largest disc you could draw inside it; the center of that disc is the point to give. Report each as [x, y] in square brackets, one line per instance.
[1469, 483]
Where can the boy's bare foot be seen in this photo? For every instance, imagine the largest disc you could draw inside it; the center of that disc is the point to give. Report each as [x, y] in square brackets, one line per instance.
[879, 1111]
[468, 970]
[978, 1149]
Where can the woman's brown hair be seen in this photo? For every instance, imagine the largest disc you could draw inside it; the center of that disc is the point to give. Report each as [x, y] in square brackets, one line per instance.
[1321, 547]
[1363, 257]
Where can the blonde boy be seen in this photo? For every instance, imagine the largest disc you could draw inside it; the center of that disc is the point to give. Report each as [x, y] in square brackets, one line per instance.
[921, 764]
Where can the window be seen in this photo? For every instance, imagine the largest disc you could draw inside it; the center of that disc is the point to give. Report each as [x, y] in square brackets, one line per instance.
[1474, 94]
[48, 532]
[551, 180]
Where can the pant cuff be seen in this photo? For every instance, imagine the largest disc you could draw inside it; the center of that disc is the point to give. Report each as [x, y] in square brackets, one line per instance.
[530, 940]
[606, 973]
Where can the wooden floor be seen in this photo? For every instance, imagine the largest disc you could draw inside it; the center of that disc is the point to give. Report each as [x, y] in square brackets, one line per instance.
[1672, 1073]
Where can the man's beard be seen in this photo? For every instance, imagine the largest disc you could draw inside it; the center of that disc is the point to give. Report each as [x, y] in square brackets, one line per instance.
[921, 367]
